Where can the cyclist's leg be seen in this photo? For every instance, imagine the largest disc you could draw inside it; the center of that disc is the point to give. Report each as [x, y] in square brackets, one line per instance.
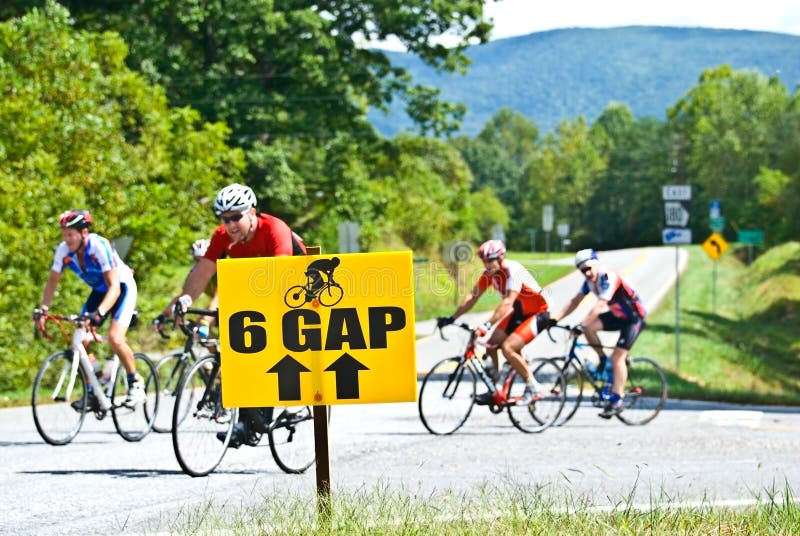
[627, 336]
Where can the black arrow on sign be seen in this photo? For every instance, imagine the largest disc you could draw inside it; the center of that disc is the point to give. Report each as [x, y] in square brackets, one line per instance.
[346, 369]
[288, 370]
[716, 245]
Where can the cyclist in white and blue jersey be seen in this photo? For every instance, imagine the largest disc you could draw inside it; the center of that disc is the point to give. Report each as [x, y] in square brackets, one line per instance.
[618, 308]
[113, 295]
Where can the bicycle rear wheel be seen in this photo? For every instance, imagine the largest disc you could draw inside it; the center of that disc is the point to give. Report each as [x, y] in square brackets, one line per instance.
[291, 438]
[645, 391]
[56, 420]
[170, 370]
[545, 408]
[573, 380]
[201, 426]
[133, 422]
[447, 395]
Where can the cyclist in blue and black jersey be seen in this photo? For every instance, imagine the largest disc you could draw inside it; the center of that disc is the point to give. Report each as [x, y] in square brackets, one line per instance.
[618, 308]
[113, 295]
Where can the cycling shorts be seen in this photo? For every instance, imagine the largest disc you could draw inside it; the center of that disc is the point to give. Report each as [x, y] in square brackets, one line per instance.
[629, 329]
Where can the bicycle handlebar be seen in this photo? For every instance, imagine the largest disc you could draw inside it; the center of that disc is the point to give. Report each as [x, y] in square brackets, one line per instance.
[58, 319]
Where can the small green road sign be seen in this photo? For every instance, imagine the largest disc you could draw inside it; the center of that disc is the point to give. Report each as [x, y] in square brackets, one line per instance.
[717, 224]
[751, 236]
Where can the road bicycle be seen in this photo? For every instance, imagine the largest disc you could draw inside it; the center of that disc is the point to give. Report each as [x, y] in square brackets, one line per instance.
[61, 391]
[328, 294]
[645, 388]
[172, 367]
[447, 394]
[202, 426]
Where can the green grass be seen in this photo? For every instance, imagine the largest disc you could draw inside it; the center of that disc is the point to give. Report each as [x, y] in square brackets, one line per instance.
[518, 509]
[738, 336]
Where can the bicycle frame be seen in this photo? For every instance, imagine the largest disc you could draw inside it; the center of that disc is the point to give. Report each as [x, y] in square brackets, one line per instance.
[500, 396]
[81, 358]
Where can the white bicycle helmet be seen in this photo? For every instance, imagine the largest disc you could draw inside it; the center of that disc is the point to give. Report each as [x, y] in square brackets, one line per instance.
[585, 255]
[200, 246]
[235, 198]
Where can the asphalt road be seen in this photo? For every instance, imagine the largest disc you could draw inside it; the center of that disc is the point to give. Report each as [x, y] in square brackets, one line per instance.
[720, 454]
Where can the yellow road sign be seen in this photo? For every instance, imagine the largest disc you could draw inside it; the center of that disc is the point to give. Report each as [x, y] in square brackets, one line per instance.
[715, 245]
[317, 329]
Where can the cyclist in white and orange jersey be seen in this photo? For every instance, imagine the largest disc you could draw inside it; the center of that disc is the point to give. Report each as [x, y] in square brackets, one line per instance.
[521, 315]
[618, 308]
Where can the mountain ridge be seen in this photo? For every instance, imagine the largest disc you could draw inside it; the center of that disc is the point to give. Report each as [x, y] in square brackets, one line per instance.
[564, 73]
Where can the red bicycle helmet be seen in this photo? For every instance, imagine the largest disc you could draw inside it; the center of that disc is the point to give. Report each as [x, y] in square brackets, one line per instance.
[75, 219]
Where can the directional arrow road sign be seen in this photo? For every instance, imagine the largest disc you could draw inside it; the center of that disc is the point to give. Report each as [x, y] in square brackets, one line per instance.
[676, 236]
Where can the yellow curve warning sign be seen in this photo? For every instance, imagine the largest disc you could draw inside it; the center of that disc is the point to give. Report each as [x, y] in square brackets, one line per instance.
[715, 245]
[317, 329]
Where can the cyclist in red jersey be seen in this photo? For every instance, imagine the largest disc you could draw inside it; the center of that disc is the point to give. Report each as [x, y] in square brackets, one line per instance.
[521, 315]
[243, 232]
[618, 308]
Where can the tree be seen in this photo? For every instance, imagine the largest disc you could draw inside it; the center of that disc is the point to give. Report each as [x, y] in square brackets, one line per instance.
[626, 207]
[728, 127]
[82, 130]
[498, 157]
[564, 174]
[277, 68]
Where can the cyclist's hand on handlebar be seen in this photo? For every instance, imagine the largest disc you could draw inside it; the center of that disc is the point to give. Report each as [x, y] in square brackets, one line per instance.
[38, 318]
[158, 324]
[551, 323]
[95, 318]
[159, 321]
[183, 303]
[483, 329]
[444, 321]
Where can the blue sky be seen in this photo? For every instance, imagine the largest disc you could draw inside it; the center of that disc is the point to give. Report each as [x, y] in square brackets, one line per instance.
[520, 17]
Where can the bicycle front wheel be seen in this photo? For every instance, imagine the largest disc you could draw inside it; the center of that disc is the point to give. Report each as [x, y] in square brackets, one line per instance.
[291, 438]
[545, 408]
[134, 421]
[645, 391]
[447, 395]
[573, 380]
[201, 426]
[55, 399]
[170, 370]
[330, 295]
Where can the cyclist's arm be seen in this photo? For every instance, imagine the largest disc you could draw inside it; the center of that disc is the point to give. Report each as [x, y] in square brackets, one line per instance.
[468, 301]
[569, 307]
[592, 315]
[50, 288]
[199, 276]
[111, 278]
[505, 306]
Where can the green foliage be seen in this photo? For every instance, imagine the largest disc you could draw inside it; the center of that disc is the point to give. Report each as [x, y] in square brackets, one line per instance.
[738, 329]
[82, 130]
[426, 187]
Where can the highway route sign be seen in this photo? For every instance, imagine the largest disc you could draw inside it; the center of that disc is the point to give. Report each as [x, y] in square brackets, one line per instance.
[676, 213]
[317, 329]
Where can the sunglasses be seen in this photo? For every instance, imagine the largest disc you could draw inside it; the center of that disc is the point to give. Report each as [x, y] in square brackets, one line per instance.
[586, 270]
[235, 217]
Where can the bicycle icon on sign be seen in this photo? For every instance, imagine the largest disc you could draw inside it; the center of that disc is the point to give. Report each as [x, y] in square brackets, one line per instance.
[320, 288]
